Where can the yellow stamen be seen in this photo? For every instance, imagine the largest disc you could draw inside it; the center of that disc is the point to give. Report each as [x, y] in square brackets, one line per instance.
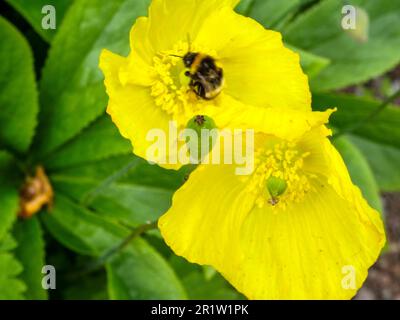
[283, 161]
[170, 89]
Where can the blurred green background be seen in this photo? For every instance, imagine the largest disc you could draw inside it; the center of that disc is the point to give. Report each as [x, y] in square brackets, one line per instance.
[52, 113]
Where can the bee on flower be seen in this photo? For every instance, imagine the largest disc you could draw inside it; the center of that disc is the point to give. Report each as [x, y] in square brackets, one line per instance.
[289, 228]
[193, 58]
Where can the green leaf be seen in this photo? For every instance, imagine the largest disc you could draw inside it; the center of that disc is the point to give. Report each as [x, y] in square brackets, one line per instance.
[244, 6]
[18, 94]
[9, 199]
[72, 90]
[98, 170]
[384, 162]
[140, 273]
[11, 287]
[30, 252]
[32, 11]
[216, 288]
[383, 129]
[90, 287]
[99, 141]
[269, 12]
[136, 272]
[7, 243]
[9, 208]
[74, 282]
[360, 172]
[319, 31]
[79, 229]
[311, 63]
[201, 287]
[137, 203]
[143, 194]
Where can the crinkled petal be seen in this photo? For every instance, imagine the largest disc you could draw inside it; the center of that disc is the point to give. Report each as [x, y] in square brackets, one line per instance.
[134, 112]
[310, 250]
[140, 41]
[202, 224]
[171, 21]
[289, 124]
[258, 69]
[339, 178]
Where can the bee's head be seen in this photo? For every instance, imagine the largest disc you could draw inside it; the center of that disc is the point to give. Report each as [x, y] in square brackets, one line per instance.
[188, 59]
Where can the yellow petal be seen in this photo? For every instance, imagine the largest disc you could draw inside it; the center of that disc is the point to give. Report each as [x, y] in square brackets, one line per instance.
[309, 250]
[140, 42]
[206, 213]
[258, 69]
[173, 20]
[118, 71]
[289, 124]
[340, 180]
[137, 69]
[132, 109]
[144, 71]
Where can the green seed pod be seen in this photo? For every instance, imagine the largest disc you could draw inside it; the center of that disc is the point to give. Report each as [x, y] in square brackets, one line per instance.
[276, 186]
[206, 138]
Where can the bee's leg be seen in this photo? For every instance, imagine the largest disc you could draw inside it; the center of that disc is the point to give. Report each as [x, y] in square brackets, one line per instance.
[190, 88]
[192, 92]
[200, 91]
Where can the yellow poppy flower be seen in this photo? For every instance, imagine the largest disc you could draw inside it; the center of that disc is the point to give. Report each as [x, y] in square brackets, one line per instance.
[149, 88]
[296, 228]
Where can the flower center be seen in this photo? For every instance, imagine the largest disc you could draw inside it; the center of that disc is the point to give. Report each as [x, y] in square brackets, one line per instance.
[279, 177]
[171, 90]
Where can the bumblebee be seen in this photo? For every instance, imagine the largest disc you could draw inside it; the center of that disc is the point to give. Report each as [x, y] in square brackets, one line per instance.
[206, 78]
